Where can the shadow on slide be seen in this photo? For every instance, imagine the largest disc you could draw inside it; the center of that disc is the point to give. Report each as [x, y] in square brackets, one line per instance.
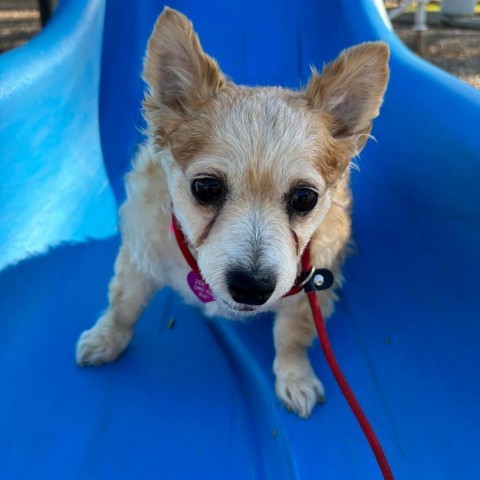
[197, 400]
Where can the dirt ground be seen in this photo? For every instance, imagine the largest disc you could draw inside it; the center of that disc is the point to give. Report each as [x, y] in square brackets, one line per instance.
[17, 26]
[455, 50]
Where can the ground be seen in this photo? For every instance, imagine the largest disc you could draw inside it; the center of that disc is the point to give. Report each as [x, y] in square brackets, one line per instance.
[455, 50]
[17, 26]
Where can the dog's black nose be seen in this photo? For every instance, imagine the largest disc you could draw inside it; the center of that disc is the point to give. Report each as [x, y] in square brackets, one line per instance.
[249, 289]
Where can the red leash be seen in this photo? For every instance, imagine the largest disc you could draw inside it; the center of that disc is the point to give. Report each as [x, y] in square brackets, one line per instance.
[306, 282]
[339, 377]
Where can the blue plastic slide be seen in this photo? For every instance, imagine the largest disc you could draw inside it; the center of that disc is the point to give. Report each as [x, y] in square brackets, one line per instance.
[196, 401]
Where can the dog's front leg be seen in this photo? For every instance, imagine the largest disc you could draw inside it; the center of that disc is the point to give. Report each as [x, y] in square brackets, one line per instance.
[296, 384]
[129, 292]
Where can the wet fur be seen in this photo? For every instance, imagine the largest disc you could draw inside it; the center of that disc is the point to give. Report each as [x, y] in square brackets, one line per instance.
[262, 142]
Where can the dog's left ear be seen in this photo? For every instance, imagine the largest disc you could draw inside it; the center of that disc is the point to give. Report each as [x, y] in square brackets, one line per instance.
[181, 77]
[350, 90]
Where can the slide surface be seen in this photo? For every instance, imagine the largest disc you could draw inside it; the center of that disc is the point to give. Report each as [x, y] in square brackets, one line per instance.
[197, 400]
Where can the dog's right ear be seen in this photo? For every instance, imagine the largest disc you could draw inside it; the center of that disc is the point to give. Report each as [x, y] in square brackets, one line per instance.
[180, 75]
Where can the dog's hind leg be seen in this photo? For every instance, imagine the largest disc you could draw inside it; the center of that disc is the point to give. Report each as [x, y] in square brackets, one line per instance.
[129, 292]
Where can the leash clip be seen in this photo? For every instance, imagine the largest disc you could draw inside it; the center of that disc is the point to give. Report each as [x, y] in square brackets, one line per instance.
[317, 279]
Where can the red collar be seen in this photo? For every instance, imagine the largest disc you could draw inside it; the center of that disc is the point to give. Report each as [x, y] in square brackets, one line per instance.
[298, 286]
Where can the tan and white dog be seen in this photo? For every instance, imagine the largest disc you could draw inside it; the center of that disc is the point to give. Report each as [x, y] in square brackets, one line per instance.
[253, 175]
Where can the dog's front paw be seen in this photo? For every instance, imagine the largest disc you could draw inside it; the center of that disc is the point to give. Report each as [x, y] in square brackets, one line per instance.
[102, 344]
[298, 388]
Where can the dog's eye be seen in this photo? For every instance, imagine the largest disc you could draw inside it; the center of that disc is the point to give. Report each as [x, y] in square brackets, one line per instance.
[303, 200]
[207, 190]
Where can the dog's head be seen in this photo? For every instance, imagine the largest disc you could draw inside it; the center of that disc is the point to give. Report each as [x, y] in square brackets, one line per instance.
[251, 170]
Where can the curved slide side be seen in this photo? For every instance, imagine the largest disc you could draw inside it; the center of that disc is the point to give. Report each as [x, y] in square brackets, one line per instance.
[197, 400]
[53, 182]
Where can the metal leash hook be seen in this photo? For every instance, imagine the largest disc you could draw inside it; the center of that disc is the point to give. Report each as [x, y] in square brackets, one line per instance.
[319, 279]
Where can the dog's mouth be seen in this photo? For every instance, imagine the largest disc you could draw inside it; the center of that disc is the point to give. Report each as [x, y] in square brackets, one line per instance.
[240, 308]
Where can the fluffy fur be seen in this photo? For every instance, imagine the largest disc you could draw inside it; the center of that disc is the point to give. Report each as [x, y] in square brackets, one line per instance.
[262, 143]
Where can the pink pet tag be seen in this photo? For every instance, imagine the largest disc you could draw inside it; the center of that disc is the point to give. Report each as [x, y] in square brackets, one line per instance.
[200, 288]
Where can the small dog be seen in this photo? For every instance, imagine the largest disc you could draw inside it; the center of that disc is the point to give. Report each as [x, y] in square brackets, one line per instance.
[253, 175]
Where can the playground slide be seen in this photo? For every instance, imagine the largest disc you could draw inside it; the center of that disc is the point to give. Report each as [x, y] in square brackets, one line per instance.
[192, 398]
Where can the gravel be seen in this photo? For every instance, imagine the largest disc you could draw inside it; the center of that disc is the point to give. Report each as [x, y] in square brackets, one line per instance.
[455, 50]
